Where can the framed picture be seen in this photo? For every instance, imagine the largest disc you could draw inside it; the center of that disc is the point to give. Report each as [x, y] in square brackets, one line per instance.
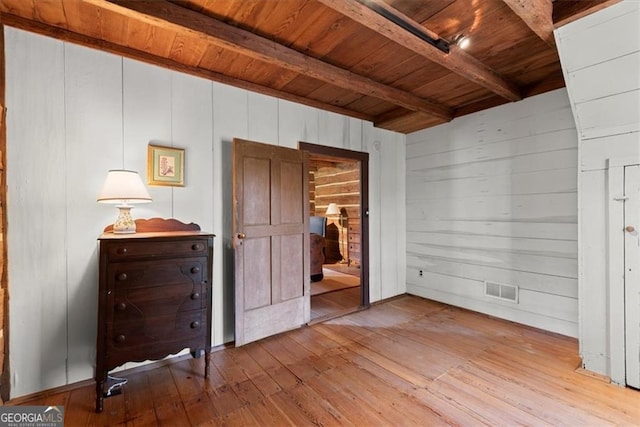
[165, 166]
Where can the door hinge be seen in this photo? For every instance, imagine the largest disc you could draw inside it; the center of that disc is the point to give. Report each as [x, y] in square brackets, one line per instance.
[621, 198]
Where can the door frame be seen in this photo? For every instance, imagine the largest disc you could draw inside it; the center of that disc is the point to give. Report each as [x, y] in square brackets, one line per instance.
[615, 251]
[363, 159]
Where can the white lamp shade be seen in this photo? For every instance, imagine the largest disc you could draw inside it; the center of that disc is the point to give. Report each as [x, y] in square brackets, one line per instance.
[123, 186]
[332, 209]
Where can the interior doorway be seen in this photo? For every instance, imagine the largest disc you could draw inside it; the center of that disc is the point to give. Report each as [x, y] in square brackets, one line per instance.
[338, 196]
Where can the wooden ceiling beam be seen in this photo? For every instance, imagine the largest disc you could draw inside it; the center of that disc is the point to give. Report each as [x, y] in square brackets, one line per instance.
[167, 15]
[127, 52]
[456, 60]
[537, 15]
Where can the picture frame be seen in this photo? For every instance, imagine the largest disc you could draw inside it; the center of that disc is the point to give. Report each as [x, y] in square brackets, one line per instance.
[165, 166]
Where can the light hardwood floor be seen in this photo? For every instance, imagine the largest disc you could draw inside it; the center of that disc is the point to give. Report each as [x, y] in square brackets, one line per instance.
[408, 361]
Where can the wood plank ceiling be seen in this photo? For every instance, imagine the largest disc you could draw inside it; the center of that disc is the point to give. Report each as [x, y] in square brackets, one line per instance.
[372, 59]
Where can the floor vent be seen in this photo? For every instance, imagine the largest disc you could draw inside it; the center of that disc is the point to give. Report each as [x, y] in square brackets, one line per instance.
[501, 291]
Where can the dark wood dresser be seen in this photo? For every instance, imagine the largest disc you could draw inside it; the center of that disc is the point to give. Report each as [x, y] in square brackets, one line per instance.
[154, 295]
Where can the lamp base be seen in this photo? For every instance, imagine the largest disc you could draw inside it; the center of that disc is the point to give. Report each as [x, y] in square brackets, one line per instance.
[124, 223]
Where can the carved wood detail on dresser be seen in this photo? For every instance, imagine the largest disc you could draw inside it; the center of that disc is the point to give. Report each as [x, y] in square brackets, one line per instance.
[154, 296]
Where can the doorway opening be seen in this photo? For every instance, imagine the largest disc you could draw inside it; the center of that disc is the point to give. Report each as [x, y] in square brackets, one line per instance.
[337, 209]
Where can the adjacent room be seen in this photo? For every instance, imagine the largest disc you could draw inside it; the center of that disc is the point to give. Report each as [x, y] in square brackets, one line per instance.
[320, 212]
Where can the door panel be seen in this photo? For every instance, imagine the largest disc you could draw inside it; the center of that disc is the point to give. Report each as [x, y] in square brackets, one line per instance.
[258, 250]
[632, 274]
[271, 243]
[256, 181]
[290, 209]
[292, 273]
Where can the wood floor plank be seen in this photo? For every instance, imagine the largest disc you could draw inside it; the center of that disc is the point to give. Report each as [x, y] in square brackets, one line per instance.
[225, 400]
[315, 407]
[334, 302]
[496, 411]
[139, 409]
[449, 413]
[543, 406]
[393, 405]
[407, 361]
[199, 409]
[276, 370]
[172, 413]
[254, 371]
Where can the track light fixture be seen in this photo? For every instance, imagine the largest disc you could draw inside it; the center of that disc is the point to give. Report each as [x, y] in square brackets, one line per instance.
[416, 30]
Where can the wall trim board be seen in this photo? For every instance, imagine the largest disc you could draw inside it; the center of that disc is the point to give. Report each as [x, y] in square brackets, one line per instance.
[5, 382]
[615, 250]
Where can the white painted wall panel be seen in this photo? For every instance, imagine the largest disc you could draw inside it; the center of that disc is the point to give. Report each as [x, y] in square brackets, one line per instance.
[146, 120]
[192, 127]
[602, 37]
[372, 144]
[262, 114]
[74, 113]
[545, 230]
[297, 123]
[594, 153]
[230, 120]
[37, 212]
[600, 56]
[493, 196]
[604, 78]
[611, 115]
[93, 145]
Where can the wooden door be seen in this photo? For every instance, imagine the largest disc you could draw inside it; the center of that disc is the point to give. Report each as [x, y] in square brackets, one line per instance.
[271, 240]
[632, 274]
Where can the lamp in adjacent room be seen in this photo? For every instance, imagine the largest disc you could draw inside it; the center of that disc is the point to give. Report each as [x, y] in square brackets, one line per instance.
[332, 210]
[123, 188]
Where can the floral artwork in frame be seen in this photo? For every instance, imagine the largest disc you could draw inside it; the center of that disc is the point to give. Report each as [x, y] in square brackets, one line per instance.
[165, 166]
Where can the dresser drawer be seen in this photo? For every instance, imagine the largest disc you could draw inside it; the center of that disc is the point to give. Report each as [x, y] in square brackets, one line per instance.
[132, 303]
[146, 329]
[127, 249]
[142, 274]
[354, 238]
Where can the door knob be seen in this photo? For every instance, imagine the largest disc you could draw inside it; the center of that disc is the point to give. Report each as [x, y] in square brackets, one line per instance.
[629, 229]
[241, 235]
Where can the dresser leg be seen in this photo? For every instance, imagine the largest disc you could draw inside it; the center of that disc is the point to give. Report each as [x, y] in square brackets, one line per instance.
[207, 368]
[99, 394]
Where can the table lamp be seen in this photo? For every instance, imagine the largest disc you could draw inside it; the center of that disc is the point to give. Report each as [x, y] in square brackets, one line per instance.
[122, 188]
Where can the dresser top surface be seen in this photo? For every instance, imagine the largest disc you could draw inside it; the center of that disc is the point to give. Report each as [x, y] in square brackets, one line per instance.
[154, 235]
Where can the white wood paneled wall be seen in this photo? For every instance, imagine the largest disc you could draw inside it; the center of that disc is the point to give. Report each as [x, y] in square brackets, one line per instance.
[492, 196]
[72, 114]
[600, 57]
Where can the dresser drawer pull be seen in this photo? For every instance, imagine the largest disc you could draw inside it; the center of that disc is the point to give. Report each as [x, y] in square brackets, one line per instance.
[120, 338]
[195, 295]
[122, 251]
[122, 276]
[121, 306]
[196, 247]
[195, 270]
[195, 325]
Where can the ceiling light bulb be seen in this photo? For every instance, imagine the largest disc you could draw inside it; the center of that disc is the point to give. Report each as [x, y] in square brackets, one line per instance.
[462, 41]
